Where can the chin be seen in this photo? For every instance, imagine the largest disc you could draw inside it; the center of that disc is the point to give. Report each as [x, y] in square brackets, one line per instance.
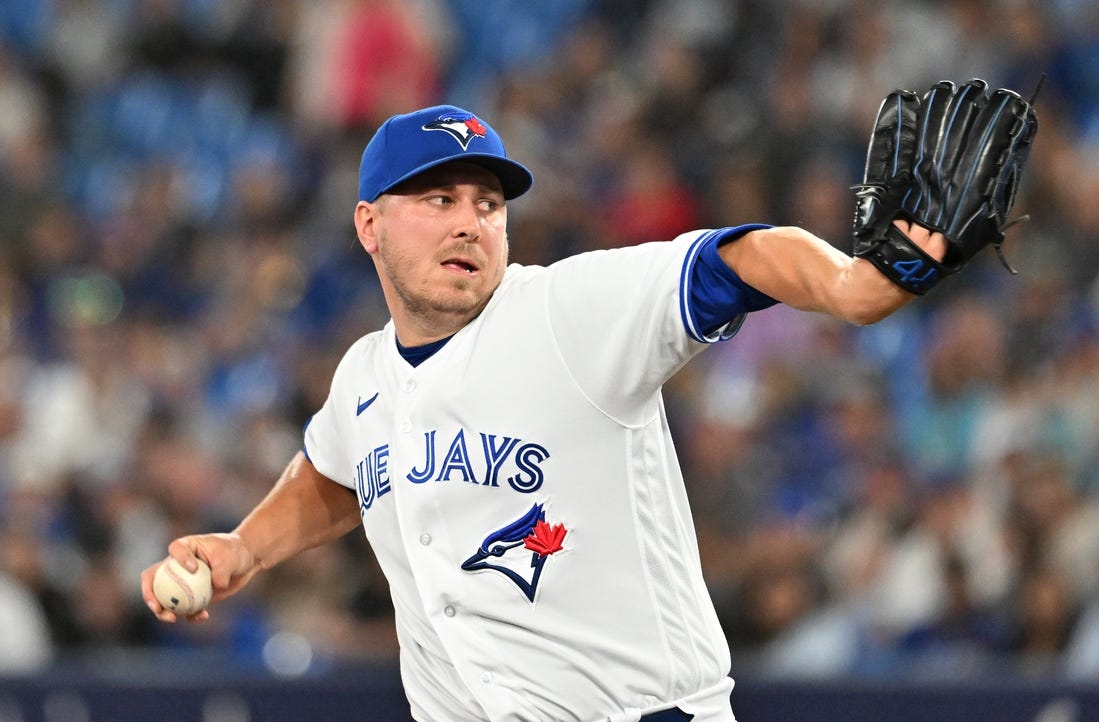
[459, 303]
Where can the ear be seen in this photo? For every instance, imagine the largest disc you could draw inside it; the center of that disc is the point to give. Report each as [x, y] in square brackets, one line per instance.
[365, 226]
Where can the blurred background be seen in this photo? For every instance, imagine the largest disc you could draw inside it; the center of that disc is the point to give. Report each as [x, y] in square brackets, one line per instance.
[908, 506]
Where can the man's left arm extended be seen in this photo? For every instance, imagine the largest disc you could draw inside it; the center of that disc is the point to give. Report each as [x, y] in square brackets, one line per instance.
[797, 268]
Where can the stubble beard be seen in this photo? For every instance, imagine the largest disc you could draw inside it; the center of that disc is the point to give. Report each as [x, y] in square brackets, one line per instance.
[458, 301]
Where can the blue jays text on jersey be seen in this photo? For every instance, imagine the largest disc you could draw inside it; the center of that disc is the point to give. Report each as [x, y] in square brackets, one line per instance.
[475, 458]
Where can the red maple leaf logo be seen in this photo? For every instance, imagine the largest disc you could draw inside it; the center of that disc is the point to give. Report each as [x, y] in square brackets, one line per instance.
[476, 127]
[545, 539]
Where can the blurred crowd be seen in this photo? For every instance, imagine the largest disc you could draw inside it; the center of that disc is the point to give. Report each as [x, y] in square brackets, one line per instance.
[179, 276]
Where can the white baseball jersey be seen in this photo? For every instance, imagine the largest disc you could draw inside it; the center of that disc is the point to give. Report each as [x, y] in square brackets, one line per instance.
[523, 497]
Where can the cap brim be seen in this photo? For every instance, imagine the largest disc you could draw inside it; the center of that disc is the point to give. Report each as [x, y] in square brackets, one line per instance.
[515, 179]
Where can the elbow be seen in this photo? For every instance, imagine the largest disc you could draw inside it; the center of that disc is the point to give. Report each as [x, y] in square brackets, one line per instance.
[865, 316]
[864, 309]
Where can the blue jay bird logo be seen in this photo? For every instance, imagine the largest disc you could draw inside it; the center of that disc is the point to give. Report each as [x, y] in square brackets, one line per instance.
[529, 532]
[461, 127]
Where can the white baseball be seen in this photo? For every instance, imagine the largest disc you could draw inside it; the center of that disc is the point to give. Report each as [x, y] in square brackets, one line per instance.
[181, 591]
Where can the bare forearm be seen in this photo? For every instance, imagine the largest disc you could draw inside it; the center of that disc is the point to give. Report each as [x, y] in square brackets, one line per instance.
[303, 510]
[802, 271]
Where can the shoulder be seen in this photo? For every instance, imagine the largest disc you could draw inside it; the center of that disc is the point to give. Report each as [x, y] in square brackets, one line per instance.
[658, 258]
[371, 342]
[591, 276]
[517, 281]
[366, 348]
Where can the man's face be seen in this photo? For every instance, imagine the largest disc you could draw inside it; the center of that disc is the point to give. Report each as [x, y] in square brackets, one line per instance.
[439, 243]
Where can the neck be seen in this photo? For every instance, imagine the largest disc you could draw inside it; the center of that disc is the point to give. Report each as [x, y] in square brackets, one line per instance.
[418, 330]
[411, 339]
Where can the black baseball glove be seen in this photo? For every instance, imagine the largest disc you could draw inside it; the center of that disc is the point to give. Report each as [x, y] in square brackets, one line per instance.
[950, 162]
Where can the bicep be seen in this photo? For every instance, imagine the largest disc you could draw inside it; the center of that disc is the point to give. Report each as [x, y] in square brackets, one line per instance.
[337, 505]
[303, 510]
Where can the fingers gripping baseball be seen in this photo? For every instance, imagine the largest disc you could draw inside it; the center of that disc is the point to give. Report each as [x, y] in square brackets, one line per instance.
[231, 567]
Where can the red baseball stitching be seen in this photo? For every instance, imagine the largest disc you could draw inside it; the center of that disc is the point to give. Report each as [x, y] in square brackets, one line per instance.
[187, 589]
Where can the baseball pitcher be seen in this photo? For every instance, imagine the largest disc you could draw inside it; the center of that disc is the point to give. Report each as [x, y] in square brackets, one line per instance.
[503, 441]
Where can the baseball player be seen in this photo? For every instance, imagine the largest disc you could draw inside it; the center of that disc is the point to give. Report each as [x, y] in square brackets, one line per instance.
[503, 441]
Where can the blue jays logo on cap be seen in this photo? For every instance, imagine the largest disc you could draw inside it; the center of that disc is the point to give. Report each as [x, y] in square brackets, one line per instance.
[505, 550]
[463, 127]
[409, 144]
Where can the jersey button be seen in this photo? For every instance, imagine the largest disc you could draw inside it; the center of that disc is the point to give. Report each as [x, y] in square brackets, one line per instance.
[486, 677]
[406, 426]
[409, 386]
[425, 539]
[449, 611]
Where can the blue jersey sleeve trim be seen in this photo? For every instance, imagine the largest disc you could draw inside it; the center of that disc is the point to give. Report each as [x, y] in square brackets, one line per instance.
[304, 448]
[713, 298]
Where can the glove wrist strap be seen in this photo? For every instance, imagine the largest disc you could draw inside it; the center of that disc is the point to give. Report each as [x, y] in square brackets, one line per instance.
[903, 262]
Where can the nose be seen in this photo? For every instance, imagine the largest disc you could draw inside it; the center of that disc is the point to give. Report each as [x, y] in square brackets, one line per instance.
[467, 221]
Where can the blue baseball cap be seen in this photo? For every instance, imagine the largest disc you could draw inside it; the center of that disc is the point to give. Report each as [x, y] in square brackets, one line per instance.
[406, 145]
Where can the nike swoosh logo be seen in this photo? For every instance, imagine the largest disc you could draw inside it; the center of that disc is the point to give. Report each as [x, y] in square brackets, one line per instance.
[364, 404]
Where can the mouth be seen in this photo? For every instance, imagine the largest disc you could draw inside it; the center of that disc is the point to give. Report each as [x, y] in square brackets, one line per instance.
[461, 265]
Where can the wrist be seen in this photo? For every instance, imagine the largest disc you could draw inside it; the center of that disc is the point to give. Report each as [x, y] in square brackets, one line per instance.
[902, 260]
[249, 556]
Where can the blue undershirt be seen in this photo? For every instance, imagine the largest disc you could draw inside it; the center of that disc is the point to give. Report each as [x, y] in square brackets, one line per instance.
[416, 355]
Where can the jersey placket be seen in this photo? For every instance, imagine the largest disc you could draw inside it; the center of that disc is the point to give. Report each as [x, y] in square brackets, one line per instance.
[419, 517]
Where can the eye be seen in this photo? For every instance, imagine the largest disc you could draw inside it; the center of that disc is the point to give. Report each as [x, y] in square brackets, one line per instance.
[489, 205]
